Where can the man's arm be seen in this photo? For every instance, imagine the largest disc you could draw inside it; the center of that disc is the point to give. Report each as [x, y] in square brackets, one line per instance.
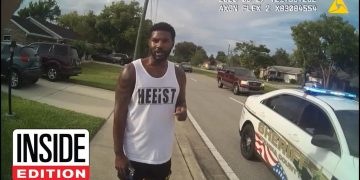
[124, 89]
[181, 108]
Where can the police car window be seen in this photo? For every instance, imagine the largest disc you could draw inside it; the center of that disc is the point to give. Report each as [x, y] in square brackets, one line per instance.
[314, 121]
[286, 105]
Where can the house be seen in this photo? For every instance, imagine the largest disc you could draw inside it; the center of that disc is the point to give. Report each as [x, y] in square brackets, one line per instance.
[27, 30]
[282, 73]
[219, 64]
[207, 64]
[212, 65]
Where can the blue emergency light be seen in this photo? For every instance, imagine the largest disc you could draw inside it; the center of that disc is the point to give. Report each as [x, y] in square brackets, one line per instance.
[312, 90]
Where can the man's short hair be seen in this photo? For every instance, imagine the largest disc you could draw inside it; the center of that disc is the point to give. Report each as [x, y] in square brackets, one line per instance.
[163, 26]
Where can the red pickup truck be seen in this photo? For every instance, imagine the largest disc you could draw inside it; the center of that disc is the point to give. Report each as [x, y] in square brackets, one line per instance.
[240, 80]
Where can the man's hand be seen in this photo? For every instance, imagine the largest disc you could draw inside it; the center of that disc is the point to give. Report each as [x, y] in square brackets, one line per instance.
[181, 113]
[121, 165]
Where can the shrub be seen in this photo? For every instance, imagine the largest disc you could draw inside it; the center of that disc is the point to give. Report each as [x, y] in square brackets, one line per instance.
[293, 81]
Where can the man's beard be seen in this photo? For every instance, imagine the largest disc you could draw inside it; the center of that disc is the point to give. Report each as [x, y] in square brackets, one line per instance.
[160, 55]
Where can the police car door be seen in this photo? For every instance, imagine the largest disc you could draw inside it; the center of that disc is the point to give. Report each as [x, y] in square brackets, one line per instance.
[281, 134]
[321, 161]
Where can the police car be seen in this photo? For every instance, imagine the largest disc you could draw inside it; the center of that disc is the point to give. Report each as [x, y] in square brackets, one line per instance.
[305, 133]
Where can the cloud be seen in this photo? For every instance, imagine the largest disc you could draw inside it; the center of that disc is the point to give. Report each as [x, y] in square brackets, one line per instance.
[201, 21]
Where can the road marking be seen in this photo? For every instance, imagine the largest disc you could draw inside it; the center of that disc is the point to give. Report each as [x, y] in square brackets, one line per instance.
[193, 79]
[236, 101]
[229, 172]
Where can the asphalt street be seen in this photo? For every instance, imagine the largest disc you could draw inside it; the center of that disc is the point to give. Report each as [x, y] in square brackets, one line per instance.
[217, 111]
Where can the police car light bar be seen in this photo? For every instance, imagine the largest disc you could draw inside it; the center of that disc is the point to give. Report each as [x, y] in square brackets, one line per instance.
[328, 92]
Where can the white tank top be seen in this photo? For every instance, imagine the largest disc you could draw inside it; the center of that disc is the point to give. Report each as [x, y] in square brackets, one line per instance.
[149, 132]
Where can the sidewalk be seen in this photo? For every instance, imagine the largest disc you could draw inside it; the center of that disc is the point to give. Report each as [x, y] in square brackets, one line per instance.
[99, 102]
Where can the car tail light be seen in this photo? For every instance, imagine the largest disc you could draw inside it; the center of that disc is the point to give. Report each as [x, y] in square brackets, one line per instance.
[24, 58]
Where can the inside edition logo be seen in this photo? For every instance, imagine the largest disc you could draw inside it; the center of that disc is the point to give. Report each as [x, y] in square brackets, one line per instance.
[50, 154]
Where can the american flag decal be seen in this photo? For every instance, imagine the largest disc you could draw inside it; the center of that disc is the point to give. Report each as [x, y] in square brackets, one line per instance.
[269, 157]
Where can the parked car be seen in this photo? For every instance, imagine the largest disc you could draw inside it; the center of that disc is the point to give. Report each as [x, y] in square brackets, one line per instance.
[58, 60]
[102, 57]
[26, 66]
[119, 58]
[241, 80]
[313, 84]
[186, 67]
[305, 133]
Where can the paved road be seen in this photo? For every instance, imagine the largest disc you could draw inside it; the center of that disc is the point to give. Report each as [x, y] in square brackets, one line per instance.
[217, 111]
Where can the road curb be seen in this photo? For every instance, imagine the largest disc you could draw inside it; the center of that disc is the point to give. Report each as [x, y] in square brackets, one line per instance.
[228, 171]
[189, 156]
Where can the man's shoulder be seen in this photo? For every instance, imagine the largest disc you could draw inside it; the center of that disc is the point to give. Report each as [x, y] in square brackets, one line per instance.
[129, 71]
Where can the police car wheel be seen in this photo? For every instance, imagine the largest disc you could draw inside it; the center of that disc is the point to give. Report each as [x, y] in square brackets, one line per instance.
[247, 143]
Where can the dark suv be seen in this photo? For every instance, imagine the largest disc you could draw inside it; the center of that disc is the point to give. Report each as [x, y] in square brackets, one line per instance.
[58, 60]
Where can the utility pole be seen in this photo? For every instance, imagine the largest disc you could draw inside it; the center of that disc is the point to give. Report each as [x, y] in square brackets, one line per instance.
[228, 56]
[136, 53]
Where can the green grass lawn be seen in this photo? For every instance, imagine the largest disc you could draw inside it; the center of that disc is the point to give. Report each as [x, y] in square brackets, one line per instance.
[206, 73]
[97, 75]
[34, 115]
[269, 88]
[105, 76]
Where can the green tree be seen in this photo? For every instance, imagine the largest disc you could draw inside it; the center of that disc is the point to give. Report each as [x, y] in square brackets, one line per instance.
[212, 60]
[184, 51]
[199, 56]
[70, 20]
[281, 57]
[117, 26]
[83, 25]
[252, 56]
[326, 45]
[297, 59]
[42, 9]
[80, 46]
[221, 56]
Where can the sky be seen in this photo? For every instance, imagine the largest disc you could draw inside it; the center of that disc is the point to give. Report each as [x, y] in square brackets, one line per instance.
[217, 25]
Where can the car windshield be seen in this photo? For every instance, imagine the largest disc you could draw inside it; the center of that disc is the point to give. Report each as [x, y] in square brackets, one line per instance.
[244, 72]
[349, 121]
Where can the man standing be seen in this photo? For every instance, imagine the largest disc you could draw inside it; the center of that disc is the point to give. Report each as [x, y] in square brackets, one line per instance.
[149, 93]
